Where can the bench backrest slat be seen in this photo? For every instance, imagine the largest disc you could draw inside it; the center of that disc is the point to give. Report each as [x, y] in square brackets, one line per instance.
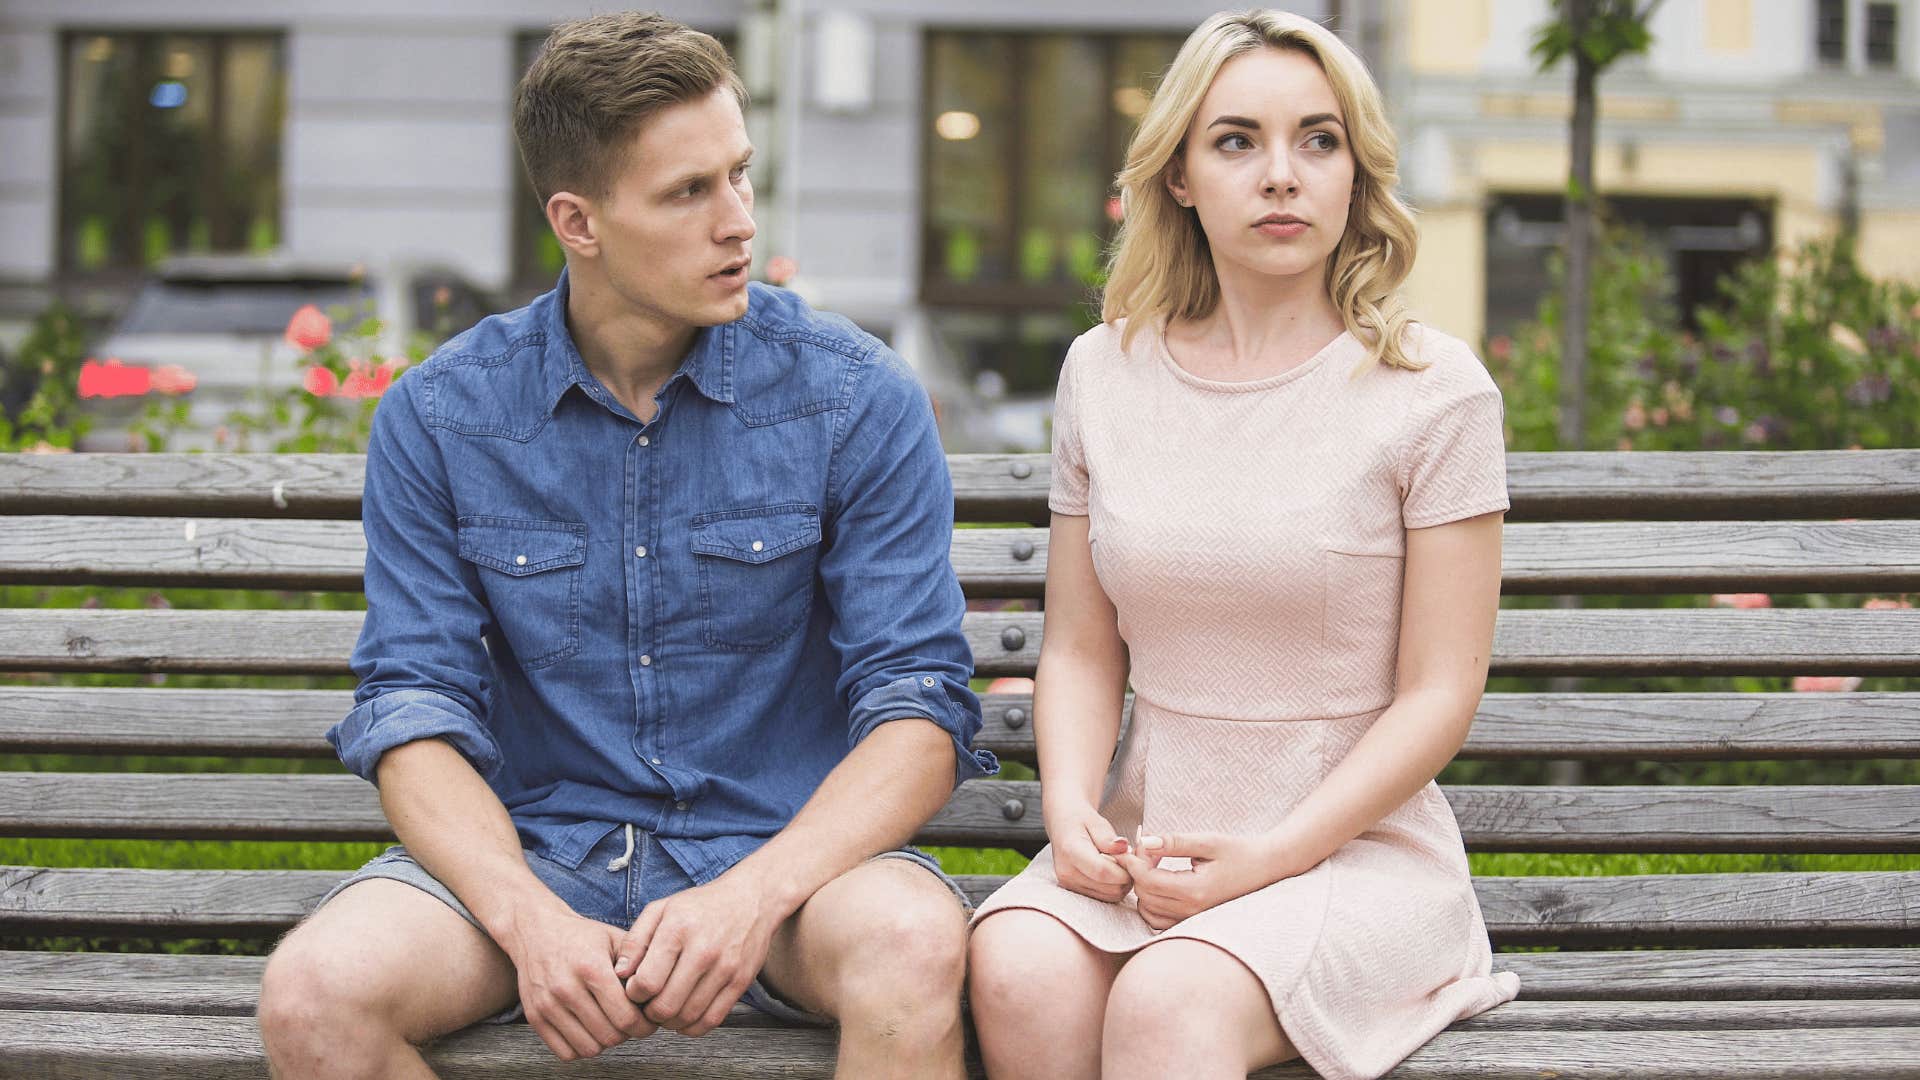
[1012, 487]
[1584, 557]
[1644, 727]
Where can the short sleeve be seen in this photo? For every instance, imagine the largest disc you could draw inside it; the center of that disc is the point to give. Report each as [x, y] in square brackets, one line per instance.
[1456, 459]
[1068, 494]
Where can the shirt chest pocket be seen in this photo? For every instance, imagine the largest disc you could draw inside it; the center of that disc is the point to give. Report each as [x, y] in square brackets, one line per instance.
[757, 572]
[530, 572]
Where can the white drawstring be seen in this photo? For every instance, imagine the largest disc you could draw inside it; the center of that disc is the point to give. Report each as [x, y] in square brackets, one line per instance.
[626, 858]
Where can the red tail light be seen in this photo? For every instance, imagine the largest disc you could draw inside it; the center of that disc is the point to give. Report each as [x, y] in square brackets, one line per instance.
[110, 379]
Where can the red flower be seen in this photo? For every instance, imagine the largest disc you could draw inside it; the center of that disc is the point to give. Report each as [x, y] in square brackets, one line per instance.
[309, 329]
[321, 382]
[1825, 684]
[1742, 600]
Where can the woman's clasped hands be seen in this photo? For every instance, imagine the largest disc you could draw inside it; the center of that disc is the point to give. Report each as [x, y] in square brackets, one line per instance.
[1092, 859]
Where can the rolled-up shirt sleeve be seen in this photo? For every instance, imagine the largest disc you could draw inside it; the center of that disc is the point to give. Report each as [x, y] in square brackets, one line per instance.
[888, 573]
[422, 663]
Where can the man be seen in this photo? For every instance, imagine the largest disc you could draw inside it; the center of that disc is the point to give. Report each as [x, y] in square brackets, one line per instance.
[662, 662]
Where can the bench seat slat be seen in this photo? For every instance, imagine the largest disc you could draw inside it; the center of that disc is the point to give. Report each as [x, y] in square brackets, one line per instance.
[1526, 642]
[1566, 485]
[1668, 909]
[1598, 557]
[218, 1047]
[229, 985]
[1006, 813]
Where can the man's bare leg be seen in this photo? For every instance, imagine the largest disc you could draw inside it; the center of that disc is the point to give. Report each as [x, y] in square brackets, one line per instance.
[382, 968]
[882, 950]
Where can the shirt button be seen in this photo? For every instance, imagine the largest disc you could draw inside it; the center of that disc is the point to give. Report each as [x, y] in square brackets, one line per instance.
[645, 660]
[640, 552]
[643, 440]
[519, 560]
[757, 545]
[927, 681]
[680, 805]
[656, 761]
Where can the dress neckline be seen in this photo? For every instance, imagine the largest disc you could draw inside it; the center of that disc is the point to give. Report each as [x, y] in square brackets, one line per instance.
[1158, 334]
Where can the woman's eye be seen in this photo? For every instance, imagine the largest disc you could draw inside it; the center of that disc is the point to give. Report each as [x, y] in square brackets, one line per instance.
[1324, 140]
[1235, 142]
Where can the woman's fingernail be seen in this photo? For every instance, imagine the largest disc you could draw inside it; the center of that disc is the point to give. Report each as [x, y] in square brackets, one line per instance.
[1149, 841]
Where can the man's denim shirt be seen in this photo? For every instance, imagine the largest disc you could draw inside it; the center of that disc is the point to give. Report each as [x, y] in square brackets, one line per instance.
[681, 625]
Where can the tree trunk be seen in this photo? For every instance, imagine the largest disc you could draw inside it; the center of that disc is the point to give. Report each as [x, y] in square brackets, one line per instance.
[1573, 348]
[1573, 344]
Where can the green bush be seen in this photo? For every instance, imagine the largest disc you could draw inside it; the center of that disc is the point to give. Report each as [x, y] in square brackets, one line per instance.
[40, 385]
[1806, 352]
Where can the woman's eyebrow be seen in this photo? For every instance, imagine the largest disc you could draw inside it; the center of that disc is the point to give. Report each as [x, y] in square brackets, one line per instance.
[1254, 125]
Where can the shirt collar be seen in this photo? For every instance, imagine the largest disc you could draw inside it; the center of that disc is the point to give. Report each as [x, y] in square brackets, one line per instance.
[708, 366]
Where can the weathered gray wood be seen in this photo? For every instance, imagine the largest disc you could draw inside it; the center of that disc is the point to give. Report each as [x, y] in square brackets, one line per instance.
[1523, 1015]
[293, 723]
[116, 720]
[251, 485]
[1695, 556]
[139, 1047]
[1692, 486]
[1558, 486]
[1635, 642]
[1658, 909]
[1006, 813]
[229, 985]
[1611, 557]
[268, 553]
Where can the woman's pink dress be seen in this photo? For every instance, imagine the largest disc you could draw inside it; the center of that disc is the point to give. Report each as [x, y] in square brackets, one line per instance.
[1252, 536]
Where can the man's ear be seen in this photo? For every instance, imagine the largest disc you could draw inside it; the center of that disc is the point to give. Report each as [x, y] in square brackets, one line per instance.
[571, 217]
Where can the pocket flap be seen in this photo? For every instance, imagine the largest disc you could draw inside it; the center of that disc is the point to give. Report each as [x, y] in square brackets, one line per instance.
[756, 536]
[519, 547]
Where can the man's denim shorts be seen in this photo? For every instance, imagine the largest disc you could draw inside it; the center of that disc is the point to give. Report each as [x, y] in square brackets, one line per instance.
[613, 896]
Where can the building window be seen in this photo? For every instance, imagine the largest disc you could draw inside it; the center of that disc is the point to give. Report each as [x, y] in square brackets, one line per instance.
[1702, 239]
[170, 143]
[1830, 31]
[537, 255]
[1882, 30]
[1024, 133]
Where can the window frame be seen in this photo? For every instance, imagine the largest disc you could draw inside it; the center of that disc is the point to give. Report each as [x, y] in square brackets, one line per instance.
[1013, 296]
[146, 40]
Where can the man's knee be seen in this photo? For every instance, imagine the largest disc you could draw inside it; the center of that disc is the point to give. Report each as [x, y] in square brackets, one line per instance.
[909, 959]
[308, 1003]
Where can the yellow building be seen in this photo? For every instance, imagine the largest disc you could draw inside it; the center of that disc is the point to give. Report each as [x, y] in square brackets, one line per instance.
[1751, 125]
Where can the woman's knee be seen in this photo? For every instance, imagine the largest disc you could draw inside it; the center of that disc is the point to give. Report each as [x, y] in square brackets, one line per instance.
[1186, 998]
[1019, 959]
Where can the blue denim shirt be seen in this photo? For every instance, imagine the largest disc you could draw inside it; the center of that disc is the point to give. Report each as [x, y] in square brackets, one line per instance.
[682, 625]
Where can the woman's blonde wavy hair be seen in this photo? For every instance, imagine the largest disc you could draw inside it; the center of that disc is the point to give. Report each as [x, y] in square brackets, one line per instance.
[1162, 267]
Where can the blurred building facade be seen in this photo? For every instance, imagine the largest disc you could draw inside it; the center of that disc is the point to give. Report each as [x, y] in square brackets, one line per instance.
[1750, 124]
[939, 172]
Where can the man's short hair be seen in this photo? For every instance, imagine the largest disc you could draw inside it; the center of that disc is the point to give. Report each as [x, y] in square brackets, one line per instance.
[593, 84]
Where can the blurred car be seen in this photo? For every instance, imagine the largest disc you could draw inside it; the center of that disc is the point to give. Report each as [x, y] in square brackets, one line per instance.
[219, 334]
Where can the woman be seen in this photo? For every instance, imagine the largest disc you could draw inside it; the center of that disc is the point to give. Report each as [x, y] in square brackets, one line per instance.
[1277, 507]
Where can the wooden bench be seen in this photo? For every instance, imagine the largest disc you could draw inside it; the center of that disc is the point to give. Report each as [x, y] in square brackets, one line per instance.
[1707, 975]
